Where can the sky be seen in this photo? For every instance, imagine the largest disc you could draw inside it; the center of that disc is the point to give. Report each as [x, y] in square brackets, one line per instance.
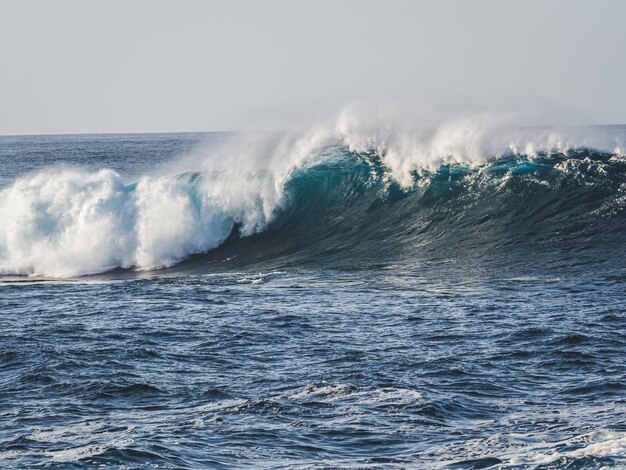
[86, 66]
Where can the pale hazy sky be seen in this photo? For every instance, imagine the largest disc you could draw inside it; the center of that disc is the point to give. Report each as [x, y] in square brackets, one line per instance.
[74, 66]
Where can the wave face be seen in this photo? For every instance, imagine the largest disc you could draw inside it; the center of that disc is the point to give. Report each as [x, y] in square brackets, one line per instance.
[346, 210]
[331, 202]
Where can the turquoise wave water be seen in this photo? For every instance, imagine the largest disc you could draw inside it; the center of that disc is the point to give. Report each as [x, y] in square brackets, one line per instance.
[346, 210]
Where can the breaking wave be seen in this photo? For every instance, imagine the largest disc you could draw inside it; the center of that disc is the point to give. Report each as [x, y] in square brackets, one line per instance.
[350, 195]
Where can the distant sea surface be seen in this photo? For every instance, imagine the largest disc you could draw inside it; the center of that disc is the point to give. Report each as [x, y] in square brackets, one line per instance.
[209, 301]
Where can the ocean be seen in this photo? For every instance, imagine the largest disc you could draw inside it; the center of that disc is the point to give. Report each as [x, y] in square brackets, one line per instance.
[321, 300]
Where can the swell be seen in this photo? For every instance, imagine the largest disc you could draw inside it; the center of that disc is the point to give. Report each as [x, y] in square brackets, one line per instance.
[339, 207]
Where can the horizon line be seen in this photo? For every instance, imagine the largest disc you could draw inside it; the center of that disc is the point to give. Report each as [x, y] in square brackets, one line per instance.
[71, 134]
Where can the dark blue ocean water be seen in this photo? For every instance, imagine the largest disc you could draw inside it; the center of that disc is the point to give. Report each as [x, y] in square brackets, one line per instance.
[473, 320]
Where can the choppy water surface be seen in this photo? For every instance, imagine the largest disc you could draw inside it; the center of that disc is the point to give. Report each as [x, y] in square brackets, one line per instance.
[473, 320]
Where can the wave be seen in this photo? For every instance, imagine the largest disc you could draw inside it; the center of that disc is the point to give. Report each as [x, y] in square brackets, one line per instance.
[339, 197]
[346, 211]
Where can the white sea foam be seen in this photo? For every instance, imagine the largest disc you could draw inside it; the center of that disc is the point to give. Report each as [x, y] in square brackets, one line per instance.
[69, 433]
[380, 397]
[74, 442]
[315, 391]
[539, 445]
[73, 222]
[71, 454]
[605, 444]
